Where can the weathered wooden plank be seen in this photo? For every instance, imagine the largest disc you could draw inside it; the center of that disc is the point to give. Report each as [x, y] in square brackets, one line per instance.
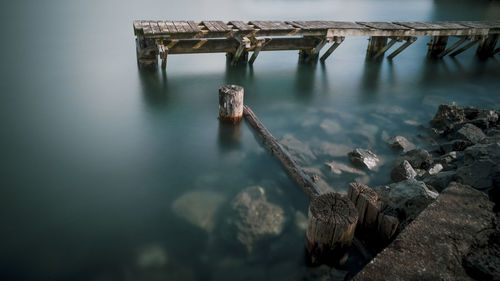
[272, 25]
[194, 26]
[383, 25]
[433, 25]
[171, 26]
[146, 27]
[178, 25]
[211, 26]
[241, 25]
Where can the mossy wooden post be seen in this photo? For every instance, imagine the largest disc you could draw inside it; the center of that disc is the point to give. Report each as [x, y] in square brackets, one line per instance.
[364, 199]
[147, 54]
[331, 224]
[375, 45]
[231, 103]
[437, 46]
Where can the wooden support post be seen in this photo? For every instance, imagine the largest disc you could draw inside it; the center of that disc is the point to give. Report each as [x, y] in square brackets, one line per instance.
[452, 47]
[382, 51]
[286, 160]
[231, 103]
[401, 48]
[338, 41]
[163, 55]
[256, 50]
[436, 46]
[147, 53]
[236, 58]
[487, 48]
[364, 199]
[375, 44]
[466, 47]
[331, 224]
[312, 55]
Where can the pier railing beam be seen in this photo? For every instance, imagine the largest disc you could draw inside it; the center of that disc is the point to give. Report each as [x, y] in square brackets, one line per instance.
[437, 45]
[452, 47]
[401, 48]
[466, 47]
[486, 48]
[337, 42]
[375, 44]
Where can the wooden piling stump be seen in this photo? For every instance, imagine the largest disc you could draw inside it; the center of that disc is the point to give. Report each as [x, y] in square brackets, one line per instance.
[364, 199]
[231, 103]
[147, 54]
[331, 224]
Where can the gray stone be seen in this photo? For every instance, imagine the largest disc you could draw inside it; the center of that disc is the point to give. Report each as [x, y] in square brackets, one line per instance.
[440, 180]
[431, 247]
[364, 158]
[455, 145]
[469, 132]
[255, 218]
[403, 172]
[198, 208]
[400, 143]
[418, 158]
[483, 264]
[447, 116]
[480, 174]
[434, 169]
[332, 149]
[408, 197]
[339, 168]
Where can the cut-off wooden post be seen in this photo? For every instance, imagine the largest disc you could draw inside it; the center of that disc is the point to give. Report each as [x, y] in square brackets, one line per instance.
[364, 199]
[231, 103]
[331, 224]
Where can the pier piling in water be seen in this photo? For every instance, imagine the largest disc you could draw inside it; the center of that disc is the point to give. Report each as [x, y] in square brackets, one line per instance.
[486, 48]
[231, 103]
[331, 224]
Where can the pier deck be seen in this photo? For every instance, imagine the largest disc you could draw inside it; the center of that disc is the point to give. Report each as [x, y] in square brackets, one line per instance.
[238, 38]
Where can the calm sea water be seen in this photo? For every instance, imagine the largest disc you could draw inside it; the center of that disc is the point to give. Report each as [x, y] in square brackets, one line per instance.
[94, 153]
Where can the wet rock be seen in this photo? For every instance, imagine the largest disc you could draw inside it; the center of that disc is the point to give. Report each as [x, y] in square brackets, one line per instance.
[418, 158]
[408, 197]
[330, 126]
[455, 145]
[339, 168]
[298, 149]
[447, 116]
[198, 208]
[255, 218]
[364, 158]
[420, 173]
[436, 168]
[402, 172]
[483, 264]
[400, 143]
[469, 132]
[480, 174]
[440, 180]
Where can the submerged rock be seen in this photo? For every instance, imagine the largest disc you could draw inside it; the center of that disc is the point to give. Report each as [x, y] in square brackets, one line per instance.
[364, 158]
[339, 168]
[300, 221]
[330, 126]
[151, 256]
[301, 151]
[400, 143]
[198, 208]
[332, 149]
[403, 172]
[256, 218]
[408, 197]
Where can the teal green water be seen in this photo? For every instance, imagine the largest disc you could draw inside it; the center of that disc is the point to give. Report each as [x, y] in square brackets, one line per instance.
[94, 152]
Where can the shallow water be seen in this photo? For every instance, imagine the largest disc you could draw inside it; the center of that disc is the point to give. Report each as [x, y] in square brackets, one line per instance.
[95, 153]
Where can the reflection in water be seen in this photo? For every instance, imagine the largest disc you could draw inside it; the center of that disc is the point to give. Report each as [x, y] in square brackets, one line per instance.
[154, 88]
[370, 80]
[229, 136]
[305, 81]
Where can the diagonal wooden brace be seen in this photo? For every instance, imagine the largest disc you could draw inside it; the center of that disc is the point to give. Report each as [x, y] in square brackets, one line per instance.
[401, 48]
[453, 47]
[466, 47]
[338, 41]
[385, 48]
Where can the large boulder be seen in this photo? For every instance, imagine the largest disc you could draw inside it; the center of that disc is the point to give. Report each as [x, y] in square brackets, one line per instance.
[469, 132]
[255, 218]
[364, 158]
[418, 159]
[403, 172]
[447, 116]
[481, 166]
[400, 143]
[198, 208]
[408, 197]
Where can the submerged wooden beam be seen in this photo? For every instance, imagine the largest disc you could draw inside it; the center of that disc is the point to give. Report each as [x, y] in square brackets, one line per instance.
[286, 160]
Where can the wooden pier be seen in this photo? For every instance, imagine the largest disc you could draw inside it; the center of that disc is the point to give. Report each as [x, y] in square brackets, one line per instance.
[237, 38]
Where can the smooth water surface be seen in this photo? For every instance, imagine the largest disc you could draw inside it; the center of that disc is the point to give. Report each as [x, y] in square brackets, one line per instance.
[94, 153]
